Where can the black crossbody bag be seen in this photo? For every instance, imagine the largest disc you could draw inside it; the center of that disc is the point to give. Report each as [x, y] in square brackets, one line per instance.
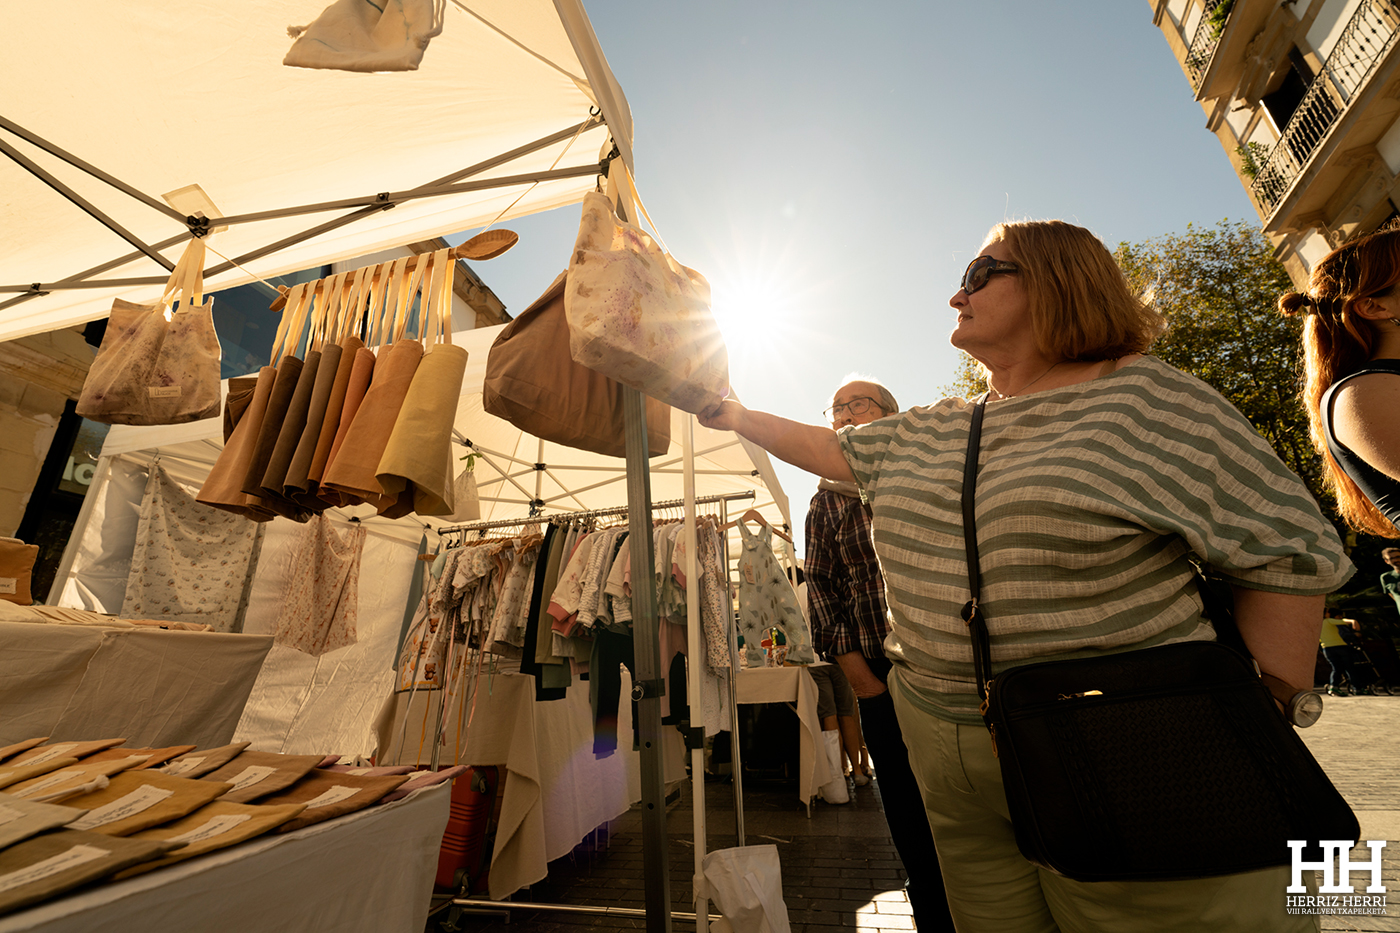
[1159, 764]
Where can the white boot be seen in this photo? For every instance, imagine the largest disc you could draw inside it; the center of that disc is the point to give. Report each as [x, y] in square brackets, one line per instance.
[834, 790]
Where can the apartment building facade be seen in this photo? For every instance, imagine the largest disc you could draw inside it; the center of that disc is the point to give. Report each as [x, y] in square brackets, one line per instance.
[1304, 96]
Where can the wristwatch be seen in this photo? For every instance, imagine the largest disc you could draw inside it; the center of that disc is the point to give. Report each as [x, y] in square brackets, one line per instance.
[1302, 708]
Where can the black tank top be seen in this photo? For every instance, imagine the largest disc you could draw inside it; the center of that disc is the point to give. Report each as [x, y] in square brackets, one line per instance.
[1382, 490]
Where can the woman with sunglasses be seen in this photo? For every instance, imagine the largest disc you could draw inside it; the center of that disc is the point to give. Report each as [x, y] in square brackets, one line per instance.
[1351, 382]
[1102, 472]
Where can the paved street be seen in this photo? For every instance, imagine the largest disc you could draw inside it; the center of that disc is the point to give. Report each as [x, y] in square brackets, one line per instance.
[839, 868]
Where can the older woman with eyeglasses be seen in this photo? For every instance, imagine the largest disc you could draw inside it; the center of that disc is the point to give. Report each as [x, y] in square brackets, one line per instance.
[1351, 383]
[1102, 473]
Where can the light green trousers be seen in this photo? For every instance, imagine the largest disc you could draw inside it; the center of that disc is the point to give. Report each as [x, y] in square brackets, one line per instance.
[993, 889]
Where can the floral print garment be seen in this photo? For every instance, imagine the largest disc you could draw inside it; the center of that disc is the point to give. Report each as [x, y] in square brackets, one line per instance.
[321, 603]
[191, 561]
[766, 600]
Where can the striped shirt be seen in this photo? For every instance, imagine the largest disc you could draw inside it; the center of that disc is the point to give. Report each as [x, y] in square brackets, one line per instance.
[1089, 500]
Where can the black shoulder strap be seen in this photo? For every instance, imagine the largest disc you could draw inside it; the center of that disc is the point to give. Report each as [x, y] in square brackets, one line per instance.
[972, 612]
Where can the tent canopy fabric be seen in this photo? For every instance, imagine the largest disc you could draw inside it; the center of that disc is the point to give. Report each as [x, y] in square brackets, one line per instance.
[154, 97]
[507, 480]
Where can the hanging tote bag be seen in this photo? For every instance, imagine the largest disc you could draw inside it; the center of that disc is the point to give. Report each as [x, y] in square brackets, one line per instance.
[533, 382]
[351, 35]
[296, 480]
[158, 365]
[353, 472]
[416, 469]
[357, 384]
[16, 570]
[328, 396]
[223, 487]
[637, 315]
[1159, 764]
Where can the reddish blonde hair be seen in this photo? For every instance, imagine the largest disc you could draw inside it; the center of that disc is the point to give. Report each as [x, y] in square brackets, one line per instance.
[1337, 340]
[1081, 305]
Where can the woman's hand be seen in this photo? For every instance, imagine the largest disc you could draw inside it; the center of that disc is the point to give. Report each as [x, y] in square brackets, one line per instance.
[727, 415]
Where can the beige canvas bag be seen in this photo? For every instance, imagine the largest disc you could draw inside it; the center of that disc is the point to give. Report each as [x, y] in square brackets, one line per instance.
[257, 774]
[351, 35]
[17, 570]
[202, 761]
[416, 469]
[41, 868]
[637, 315]
[137, 800]
[158, 365]
[213, 826]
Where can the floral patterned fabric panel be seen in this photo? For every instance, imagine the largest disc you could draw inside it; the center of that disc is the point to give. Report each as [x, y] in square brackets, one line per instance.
[191, 562]
[767, 600]
[321, 603]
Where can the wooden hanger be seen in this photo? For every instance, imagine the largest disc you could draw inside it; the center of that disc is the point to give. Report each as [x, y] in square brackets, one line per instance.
[754, 515]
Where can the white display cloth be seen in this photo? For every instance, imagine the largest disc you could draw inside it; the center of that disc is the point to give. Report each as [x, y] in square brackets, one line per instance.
[368, 871]
[554, 791]
[150, 686]
[792, 685]
[164, 96]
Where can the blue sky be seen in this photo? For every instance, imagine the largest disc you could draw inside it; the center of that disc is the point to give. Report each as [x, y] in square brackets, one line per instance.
[831, 168]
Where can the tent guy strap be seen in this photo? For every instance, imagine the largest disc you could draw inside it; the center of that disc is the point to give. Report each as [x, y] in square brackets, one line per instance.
[366, 205]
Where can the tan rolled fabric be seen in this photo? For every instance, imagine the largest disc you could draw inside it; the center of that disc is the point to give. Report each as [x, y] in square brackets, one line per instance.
[155, 757]
[137, 800]
[274, 478]
[418, 454]
[86, 857]
[213, 826]
[223, 487]
[240, 396]
[335, 408]
[361, 375]
[65, 750]
[328, 794]
[299, 482]
[202, 761]
[257, 774]
[8, 751]
[353, 470]
[11, 773]
[71, 780]
[20, 818]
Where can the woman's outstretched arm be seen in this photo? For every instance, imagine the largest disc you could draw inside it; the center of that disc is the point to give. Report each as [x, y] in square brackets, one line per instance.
[807, 446]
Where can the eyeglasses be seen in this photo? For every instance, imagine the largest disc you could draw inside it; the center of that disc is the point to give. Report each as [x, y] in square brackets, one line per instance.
[856, 406]
[983, 268]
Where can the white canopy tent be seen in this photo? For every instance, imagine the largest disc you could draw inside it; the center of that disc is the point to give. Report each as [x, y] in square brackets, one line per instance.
[511, 110]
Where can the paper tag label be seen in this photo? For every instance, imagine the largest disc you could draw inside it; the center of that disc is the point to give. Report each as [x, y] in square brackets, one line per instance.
[9, 585]
[216, 826]
[138, 801]
[53, 780]
[8, 814]
[183, 765]
[77, 855]
[164, 391]
[334, 795]
[748, 573]
[50, 753]
[251, 775]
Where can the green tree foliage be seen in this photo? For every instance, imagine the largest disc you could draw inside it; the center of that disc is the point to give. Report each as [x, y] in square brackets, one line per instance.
[1218, 287]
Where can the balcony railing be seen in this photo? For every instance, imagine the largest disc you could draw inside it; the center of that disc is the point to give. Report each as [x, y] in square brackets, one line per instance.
[1363, 44]
[1203, 45]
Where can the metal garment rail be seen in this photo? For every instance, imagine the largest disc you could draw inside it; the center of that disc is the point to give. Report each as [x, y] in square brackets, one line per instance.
[590, 513]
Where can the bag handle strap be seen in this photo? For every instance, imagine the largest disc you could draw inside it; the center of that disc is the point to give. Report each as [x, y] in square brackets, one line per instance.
[444, 269]
[289, 311]
[378, 304]
[353, 306]
[179, 283]
[407, 291]
[327, 310]
[972, 611]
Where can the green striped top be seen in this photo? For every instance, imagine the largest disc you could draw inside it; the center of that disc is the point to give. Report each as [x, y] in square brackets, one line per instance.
[1089, 499]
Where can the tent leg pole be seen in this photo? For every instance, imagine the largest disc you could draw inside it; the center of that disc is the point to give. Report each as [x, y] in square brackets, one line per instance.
[649, 683]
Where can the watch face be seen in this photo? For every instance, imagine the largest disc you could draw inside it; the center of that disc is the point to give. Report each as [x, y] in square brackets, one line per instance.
[1305, 709]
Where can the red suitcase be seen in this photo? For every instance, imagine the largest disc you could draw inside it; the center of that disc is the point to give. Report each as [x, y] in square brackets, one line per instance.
[464, 858]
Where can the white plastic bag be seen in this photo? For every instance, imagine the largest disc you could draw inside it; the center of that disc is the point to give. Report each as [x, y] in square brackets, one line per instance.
[834, 790]
[746, 884]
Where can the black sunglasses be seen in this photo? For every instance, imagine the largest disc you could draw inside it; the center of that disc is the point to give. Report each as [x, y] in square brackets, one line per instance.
[983, 268]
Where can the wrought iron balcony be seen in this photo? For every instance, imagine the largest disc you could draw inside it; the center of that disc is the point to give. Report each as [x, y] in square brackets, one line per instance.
[1365, 41]
[1203, 44]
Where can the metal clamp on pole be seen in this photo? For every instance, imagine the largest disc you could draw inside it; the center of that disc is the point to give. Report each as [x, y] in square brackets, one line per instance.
[694, 736]
[644, 689]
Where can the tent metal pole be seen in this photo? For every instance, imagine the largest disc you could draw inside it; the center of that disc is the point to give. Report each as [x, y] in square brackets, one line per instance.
[514, 154]
[695, 665]
[736, 756]
[92, 170]
[52, 181]
[588, 513]
[649, 684]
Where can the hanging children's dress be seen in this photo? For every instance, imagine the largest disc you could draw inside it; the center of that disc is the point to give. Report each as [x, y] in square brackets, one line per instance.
[766, 600]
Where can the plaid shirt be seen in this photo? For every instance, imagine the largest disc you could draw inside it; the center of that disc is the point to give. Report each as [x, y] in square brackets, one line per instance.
[845, 592]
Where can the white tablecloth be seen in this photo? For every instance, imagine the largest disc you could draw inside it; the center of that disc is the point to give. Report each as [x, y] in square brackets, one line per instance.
[370, 871]
[554, 791]
[792, 685]
[150, 686]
